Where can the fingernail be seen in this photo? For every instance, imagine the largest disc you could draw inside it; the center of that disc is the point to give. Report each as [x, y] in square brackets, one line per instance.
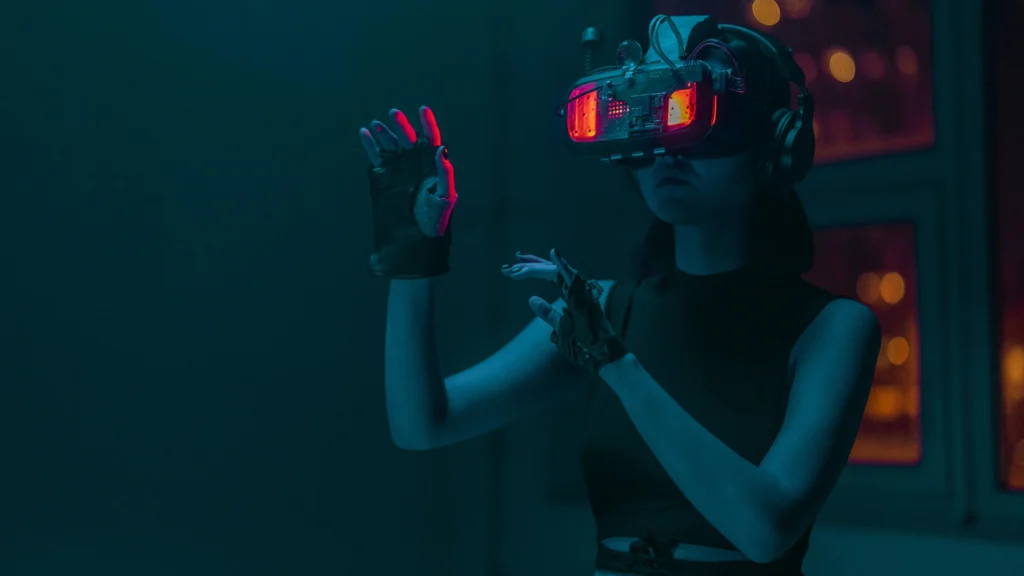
[444, 153]
[506, 266]
[516, 269]
[519, 253]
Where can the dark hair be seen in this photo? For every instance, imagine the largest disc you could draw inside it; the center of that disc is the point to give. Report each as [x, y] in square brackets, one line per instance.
[781, 240]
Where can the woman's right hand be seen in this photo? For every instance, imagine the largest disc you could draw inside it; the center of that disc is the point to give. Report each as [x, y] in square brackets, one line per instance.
[435, 194]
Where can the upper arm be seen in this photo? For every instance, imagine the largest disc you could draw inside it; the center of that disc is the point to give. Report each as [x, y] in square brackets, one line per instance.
[834, 364]
[524, 377]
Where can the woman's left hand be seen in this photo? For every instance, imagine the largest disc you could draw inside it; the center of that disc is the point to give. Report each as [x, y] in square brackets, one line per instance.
[580, 329]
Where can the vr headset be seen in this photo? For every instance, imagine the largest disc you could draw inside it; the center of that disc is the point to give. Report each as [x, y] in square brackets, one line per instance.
[687, 100]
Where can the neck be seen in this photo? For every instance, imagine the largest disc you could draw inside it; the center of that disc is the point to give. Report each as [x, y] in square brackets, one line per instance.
[712, 248]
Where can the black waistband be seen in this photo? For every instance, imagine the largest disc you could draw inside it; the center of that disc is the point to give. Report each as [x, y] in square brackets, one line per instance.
[659, 564]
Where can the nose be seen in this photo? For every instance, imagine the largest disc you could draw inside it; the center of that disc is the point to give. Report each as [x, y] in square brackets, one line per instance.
[658, 164]
[678, 162]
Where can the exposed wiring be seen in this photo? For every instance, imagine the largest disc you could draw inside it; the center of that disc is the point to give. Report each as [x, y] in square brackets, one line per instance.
[656, 47]
[655, 40]
[652, 35]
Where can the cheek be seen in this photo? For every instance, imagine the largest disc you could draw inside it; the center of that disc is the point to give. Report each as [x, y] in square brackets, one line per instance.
[642, 176]
[643, 181]
[736, 183]
[733, 177]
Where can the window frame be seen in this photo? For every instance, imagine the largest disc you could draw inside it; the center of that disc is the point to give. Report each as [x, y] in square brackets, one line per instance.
[883, 494]
[943, 191]
[999, 512]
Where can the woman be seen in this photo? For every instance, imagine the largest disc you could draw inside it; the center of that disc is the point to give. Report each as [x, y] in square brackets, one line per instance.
[729, 391]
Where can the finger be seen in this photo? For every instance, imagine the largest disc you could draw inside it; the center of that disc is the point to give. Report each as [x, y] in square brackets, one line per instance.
[406, 133]
[563, 267]
[431, 133]
[545, 311]
[445, 175]
[530, 258]
[370, 145]
[531, 271]
[385, 138]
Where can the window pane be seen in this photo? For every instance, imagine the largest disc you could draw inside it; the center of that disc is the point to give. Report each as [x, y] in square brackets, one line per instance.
[1012, 380]
[867, 63]
[1010, 245]
[876, 265]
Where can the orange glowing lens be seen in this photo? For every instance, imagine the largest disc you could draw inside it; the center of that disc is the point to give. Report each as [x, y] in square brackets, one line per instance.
[581, 113]
[682, 105]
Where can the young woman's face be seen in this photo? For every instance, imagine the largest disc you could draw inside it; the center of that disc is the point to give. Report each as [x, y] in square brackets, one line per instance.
[693, 191]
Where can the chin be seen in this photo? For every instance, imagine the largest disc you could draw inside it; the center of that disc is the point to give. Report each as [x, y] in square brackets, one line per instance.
[683, 209]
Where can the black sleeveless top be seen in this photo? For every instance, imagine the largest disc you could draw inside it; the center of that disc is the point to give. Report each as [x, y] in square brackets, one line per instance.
[720, 345]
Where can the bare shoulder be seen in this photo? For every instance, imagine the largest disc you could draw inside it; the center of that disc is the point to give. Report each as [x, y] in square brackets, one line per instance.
[849, 317]
[841, 324]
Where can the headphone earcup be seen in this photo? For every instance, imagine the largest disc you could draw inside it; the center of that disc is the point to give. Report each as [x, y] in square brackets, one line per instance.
[778, 156]
[800, 144]
[792, 155]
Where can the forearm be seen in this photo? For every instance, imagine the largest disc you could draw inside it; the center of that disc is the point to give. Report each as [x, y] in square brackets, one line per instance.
[413, 381]
[746, 504]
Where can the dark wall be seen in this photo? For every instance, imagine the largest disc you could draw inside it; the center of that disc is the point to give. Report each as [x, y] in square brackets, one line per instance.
[192, 347]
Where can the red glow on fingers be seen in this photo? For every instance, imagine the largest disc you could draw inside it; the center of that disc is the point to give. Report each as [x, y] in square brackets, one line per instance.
[430, 129]
[403, 124]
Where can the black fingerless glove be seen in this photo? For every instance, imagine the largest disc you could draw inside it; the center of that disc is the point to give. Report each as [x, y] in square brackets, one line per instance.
[401, 249]
[584, 335]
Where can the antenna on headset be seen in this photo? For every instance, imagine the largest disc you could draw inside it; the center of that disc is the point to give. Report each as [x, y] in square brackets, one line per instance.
[591, 41]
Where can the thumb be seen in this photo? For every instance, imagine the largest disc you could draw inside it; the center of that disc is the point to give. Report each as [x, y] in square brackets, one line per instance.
[445, 174]
[545, 311]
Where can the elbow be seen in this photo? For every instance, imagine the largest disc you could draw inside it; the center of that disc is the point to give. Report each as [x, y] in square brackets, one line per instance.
[760, 554]
[412, 428]
[772, 528]
[766, 544]
[764, 551]
[411, 446]
[411, 441]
